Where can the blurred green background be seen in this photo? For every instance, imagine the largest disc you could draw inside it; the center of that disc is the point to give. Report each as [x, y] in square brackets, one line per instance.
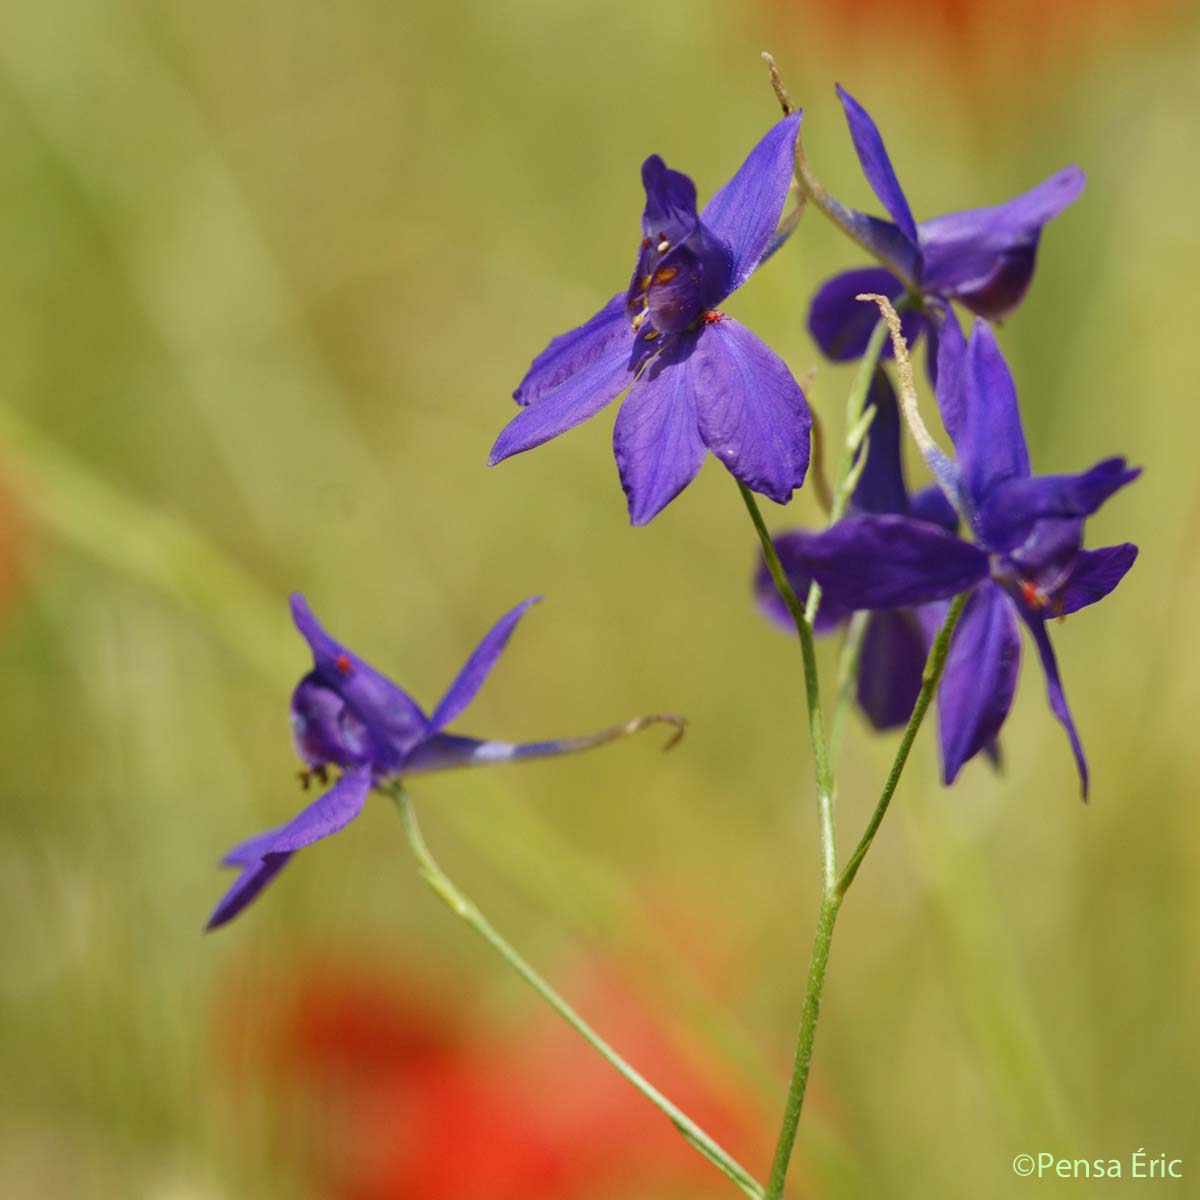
[270, 272]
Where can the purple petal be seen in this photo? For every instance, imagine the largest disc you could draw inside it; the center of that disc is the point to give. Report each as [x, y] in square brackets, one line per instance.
[980, 678]
[477, 668]
[985, 256]
[246, 888]
[991, 444]
[393, 719]
[656, 438]
[752, 413]
[325, 729]
[948, 376]
[670, 211]
[576, 376]
[889, 674]
[876, 165]
[1096, 573]
[841, 325]
[1015, 506]
[879, 562]
[1055, 693]
[1015, 509]
[253, 850]
[930, 504]
[745, 212]
[326, 815]
[881, 487]
[789, 547]
[574, 351]
[446, 751]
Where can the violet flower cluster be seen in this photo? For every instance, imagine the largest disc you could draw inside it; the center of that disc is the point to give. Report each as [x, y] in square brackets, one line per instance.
[937, 583]
[695, 380]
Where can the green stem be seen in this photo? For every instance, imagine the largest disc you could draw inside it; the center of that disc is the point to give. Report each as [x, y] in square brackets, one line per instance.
[831, 902]
[934, 666]
[816, 725]
[856, 431]
[461, 906]
[822, 941]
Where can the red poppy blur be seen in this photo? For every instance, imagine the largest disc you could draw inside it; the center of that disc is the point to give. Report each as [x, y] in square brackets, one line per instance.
[412, 1106]
[966, 35]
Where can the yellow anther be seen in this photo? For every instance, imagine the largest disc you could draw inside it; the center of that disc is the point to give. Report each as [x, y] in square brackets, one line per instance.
[663, 246]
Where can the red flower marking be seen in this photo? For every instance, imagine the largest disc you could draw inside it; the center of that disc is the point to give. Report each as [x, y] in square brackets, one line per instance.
[1033, 595]
[342, 662]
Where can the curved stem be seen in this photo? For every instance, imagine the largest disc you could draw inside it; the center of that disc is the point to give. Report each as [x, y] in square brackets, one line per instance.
[934, 666]
[461, 906]
[812, 691]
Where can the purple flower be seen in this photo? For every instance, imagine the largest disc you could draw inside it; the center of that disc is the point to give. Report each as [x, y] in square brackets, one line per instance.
[895, 642]
[348, 716]
[1027, 560]
[983, 258]
[697, 379]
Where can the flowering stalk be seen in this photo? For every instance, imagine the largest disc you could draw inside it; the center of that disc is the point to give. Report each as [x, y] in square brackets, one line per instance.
[462, 907]
[835, 885]
[831, 900]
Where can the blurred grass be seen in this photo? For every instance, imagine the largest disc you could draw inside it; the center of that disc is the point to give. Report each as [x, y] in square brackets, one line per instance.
[271, 272]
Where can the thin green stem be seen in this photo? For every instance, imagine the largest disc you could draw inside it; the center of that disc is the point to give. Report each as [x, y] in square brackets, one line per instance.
[555, 873]
[816, 725]
[850, 464]
[831, 902]
[828, 841]
[822, 942]
[935, 664]
[857, 428]
[462, 907]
